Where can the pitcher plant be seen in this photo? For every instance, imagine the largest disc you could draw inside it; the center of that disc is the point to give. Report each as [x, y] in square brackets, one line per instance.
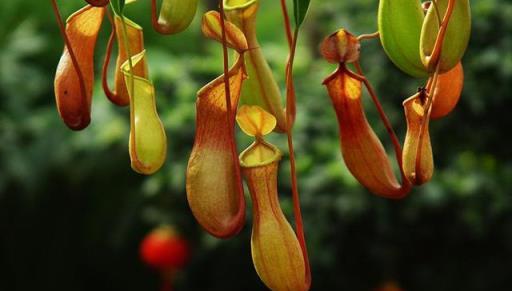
[425, 40]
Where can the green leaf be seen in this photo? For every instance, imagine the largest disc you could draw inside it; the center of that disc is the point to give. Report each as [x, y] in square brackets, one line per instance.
[300, 9]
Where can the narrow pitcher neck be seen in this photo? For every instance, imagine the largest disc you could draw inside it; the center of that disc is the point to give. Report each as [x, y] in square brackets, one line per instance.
[243, 15]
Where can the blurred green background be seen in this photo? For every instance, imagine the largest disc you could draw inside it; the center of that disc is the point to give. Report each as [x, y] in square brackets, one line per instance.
[72, 212]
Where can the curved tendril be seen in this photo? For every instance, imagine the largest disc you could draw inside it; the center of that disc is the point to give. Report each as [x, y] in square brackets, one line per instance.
[286, 19]
[112, 96]
[438, 46]
[72, 55]
[406, 185]
[98, 3]
[154, 19]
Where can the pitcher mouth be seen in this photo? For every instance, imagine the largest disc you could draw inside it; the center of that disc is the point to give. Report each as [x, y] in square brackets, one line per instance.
[259, 154]
[238, 4]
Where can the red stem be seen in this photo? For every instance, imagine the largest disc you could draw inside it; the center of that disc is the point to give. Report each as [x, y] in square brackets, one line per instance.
[227, 88]
[438, 46]
[406, 185]
[436, 56]
[387, 124]
[431, 84]
[225, 62]
[72, 55]
[299, 226]
[112, 96]
[291, 106]
[290, 119]
[286, 19]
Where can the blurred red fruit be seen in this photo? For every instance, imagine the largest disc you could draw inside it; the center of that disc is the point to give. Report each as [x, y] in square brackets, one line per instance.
[164, 249]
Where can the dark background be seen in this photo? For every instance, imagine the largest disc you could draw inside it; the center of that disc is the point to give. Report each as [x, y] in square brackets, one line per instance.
[72, 212]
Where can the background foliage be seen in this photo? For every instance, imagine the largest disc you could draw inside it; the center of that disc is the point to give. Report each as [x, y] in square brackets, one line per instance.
[72, 212]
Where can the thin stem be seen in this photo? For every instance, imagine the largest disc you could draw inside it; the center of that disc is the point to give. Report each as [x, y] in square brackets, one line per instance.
[427, 109]
[131, 85]
[429, 84]
[299, 225]
[112, 96]
[227, 88]
[225, 61]
[436, 55]
[72, 55]
[290, 118]
[438, 46]
[387, 124]
[291, 106]
[286, 19]
[128, 53]
[368, 36]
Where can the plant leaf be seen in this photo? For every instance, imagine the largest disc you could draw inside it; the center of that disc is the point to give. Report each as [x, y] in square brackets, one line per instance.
[300, 9]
